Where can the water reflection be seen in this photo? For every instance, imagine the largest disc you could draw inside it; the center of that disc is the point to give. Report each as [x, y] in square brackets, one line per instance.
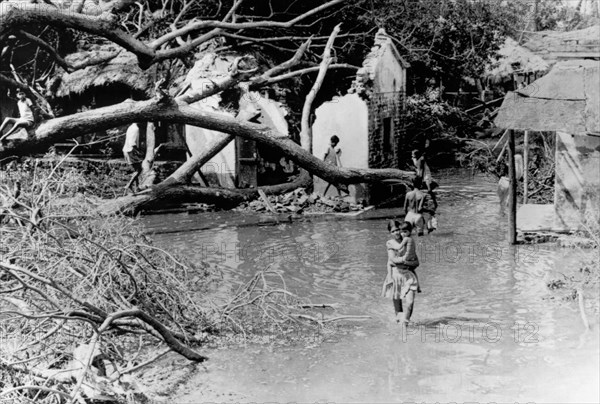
[483, 328]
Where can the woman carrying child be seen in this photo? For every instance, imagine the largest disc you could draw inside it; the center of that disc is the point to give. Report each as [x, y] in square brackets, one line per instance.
[401, 281]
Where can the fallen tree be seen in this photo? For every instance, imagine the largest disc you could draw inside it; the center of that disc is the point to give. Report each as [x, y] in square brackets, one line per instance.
[169, 110]
[185, 35]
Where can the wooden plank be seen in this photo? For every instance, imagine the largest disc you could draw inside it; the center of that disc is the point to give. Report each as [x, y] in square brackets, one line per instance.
[512, 191]
[502, 152]
[575, 55]
[501, 140]
[360, 212]
[484, 104]
[263, 196]
[525, 167]
[203, 180]
[592, 106]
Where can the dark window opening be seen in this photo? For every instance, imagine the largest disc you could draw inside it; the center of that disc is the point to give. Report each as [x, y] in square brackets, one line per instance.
[387, 132]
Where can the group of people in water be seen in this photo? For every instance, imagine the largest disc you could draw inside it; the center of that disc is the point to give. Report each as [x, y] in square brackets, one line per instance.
[401, 281]
[420, 206]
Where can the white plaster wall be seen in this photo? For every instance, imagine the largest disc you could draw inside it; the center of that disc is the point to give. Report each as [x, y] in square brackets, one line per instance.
[389, 73]
[267, 111]
[273, 114]
[346, 117]
[577, 180]
[221, 168]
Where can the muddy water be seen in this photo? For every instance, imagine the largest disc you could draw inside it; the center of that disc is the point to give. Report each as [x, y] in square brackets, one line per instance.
[484, 327]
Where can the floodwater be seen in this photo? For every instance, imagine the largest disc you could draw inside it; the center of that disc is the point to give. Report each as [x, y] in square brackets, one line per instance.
[485, 327]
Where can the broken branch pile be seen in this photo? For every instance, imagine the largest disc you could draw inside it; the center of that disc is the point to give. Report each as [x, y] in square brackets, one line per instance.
[86, 299]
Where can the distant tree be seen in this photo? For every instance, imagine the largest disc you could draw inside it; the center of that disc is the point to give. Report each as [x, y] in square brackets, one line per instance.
[443, 40]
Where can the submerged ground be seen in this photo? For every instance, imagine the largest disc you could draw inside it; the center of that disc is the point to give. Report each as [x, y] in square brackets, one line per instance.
[486, 327]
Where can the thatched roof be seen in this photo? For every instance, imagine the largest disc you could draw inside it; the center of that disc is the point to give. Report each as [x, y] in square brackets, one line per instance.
[554, 45]
[123, 69]
[567, 99]
[513, 58]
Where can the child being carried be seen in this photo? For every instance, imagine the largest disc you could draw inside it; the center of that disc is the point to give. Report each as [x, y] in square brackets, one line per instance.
[406, 256]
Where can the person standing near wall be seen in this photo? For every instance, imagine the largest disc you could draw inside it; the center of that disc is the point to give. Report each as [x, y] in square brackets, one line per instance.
[333, 157]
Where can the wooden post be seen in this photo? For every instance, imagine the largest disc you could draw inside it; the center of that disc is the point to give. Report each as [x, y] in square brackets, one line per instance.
[535, 15]
[512, 190]
[525, 165]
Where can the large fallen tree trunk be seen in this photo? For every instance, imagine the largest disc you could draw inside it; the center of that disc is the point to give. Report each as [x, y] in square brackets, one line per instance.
[179, 110]
[186, 193]
[169, 110]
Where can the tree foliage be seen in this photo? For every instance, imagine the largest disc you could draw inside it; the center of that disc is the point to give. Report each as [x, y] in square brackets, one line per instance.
[443, 40]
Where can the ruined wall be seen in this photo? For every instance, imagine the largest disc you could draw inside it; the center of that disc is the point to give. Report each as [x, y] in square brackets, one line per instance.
[389, 75]
[386, 137]
[368, 120]
[386, 104]
[386, 129]
[577, 186]
[346, 117]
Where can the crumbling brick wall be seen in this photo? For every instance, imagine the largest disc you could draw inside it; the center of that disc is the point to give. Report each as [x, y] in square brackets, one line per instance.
[385, 129]
[386, 138]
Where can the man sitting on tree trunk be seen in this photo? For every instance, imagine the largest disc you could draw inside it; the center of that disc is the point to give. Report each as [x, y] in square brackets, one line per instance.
[25, 121]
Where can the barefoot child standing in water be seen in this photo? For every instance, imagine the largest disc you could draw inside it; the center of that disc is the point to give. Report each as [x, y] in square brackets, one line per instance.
[401, 281]
[332, 156]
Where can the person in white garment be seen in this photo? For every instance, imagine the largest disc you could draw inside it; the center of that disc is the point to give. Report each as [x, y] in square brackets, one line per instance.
[25, 119]
[503, 183]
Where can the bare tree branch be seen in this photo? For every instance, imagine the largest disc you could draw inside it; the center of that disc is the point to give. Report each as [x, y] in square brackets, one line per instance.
[165, 333]
[104, 25]
[287, 64]
[287, 38]
[300, 72]
[306, 130]
[107, 25]
[60, 60]
[169, 111]
[196, 26]
[235, 76]
[231, 13]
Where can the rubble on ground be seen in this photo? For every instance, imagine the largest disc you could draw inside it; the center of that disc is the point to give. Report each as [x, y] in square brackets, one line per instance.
[536, 237]
[570, 240]
[576, 241]
[299, 201]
